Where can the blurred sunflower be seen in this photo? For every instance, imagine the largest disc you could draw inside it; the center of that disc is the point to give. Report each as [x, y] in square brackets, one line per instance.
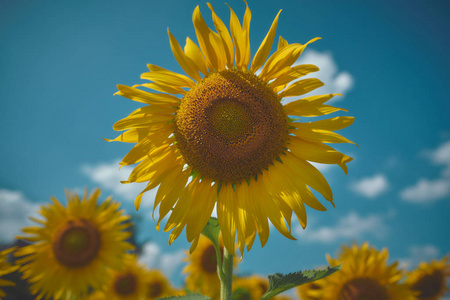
[227, 136]
[72, 247]
[202, 269]
[364, 275]
[129, 282]
[6, 268]
[157, 285]
[430, 279]
[302, 291]
[249, 288]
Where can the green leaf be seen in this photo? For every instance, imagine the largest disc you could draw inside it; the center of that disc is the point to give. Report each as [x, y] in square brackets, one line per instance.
[212, 230]
[279, 283]
[187, 297]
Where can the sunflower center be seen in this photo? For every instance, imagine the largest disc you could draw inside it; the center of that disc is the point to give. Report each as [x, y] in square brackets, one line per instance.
[154, 290]
[77, 243]
[242, 294]
[125, 284]
[230, 126]
[429, 285]
[363, 289]
[209, 259]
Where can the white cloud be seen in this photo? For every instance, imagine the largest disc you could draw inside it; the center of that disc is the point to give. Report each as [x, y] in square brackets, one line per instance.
[15, 209]
[351, 226]
[371, 187]
[153, 257]
[418, 254]
[426, 190]
[108, 176]
[335, 81]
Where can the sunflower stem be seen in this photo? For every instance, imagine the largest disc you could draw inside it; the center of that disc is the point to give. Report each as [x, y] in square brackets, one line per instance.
[226, 275]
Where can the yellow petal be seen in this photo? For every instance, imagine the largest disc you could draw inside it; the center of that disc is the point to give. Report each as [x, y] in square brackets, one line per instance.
[164, 87]
[146, 97]
[195, 54]
[206, 41]
[309, 174]
[336, 123]
[264, 49]
[320, 136]
[141, 121]
[246, 32]
[167, 77]
[301, 87]
[288, 74]
[225, 37]
[225, 201]
[134, 135]
[313, 110]
[254, 202]
[282, 43]
[239, 40]
[185, 62]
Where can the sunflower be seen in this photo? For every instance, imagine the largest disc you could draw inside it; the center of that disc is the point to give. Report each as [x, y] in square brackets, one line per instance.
[302, 291]
[364, 275]
[221, 136]
[127, 283]
[249, 288]
[72, 247]
[6, 268]
[157, 285]
[202, 269]
[430, 279]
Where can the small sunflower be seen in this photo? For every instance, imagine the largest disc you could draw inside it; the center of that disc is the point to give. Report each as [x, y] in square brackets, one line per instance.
[302, 291]
[157, 285]
[128, 283]
[249, 288]
[6, 268]
[221, 136]
[364, 275]
[202, 269]
[430, 279]
[72, 247]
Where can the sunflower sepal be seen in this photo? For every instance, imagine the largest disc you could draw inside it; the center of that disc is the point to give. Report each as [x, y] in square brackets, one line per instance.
[279, 283]
[212, 230]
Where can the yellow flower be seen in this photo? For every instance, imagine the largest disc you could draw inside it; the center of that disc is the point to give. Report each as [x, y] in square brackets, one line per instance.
[252, 287]
[72, 247]
[129, 282]
[6, 268]
[221, 136]
[302, 291]
[157, 285]
[364, 275]
[202, 269]
[430, 279]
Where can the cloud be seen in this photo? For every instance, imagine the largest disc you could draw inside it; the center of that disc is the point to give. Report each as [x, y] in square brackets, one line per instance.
[426, 190]
[335, 81]
[351, 226]
[371, 187]
[15, 209]
[168, 263]
[418, 254]
[108, 176]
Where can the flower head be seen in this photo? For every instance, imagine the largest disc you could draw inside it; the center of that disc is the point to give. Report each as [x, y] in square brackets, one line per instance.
[365, 274]
[221, 136]
[73, 247]
[429, 280]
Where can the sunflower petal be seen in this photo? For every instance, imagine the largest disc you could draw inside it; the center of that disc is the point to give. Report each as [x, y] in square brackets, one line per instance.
[225, 201]
[185, 62]
[145, 97]
[225, 37]
[193, 52]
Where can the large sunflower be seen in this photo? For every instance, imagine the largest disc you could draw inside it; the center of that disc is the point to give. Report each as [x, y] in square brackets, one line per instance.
[72, 247]
[364, 275]
[429, 280]
[6, 268]
[220, 136]
[202, 269]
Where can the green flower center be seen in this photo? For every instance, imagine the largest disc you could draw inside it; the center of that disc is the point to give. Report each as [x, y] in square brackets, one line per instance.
[363, 289]
[230, 126]
[76, 243]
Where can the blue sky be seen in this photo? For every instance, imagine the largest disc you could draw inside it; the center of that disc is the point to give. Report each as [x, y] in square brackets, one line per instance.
[61, 61]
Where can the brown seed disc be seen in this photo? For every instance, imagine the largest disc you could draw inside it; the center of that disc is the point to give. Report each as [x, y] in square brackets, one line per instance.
[154, 290]
[363, 289]
[230, 126]
[430, 285]
[125, 284]
[209, 259]
[76, 243]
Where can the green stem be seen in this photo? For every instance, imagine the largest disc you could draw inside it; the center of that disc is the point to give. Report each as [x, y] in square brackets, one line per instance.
[226, 275]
